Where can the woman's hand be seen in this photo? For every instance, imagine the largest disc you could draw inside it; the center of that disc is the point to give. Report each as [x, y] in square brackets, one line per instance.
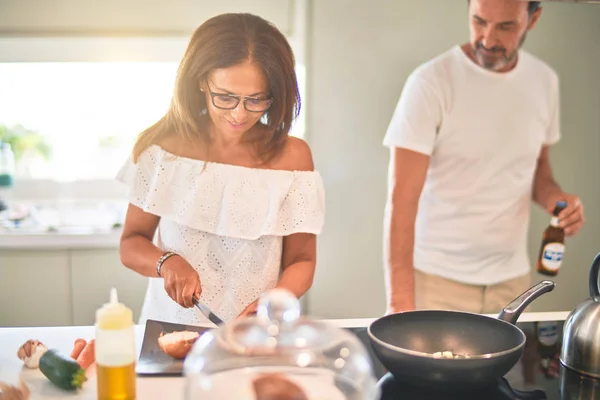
[182, 282]
[250, 310]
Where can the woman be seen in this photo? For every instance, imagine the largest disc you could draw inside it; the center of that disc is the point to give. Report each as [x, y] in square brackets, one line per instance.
[234, 200]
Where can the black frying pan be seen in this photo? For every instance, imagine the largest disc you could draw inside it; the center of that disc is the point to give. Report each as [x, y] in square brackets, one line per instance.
[406, 344]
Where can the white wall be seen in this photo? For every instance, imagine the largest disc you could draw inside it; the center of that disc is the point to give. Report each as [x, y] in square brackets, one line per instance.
[568, 38]
[358, 62]
[129, 18]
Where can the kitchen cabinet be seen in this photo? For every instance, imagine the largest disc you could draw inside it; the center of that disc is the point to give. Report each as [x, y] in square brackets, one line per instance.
[63, 287]
[35, 288]
[93, 273]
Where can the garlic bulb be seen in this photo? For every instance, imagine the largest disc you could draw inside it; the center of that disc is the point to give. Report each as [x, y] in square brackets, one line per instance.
[30, 353]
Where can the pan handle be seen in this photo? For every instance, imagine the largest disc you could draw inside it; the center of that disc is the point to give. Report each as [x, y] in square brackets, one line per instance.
[594, 288]
[512, 393]
[511, 312]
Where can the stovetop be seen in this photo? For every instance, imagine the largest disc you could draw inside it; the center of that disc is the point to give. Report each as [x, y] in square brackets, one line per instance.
[537, 375]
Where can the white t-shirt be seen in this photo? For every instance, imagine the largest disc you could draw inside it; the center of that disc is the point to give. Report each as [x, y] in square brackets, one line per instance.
[484, 132]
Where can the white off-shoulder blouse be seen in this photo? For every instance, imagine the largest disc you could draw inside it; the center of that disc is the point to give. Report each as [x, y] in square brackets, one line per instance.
[227, 221]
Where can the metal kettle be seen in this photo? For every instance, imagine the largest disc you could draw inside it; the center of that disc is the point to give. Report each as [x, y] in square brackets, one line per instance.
[581, 332]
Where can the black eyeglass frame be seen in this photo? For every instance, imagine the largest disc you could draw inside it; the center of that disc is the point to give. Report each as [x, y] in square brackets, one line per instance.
[238, 99]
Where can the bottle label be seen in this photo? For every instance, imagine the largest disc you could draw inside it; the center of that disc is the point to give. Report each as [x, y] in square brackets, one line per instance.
[547, 333]
[552, 255]
[554, 222]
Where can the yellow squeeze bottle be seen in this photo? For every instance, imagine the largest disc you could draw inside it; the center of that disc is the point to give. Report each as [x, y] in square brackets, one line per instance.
[115, 351]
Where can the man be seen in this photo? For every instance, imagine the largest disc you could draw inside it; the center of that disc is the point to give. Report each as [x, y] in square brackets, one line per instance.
[469, 143]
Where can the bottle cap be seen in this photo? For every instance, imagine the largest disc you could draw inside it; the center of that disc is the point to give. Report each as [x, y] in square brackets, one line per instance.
[562, 204]
[114, 315]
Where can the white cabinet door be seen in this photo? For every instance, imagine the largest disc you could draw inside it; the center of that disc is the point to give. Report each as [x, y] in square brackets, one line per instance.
[34, 288]
[93, 273]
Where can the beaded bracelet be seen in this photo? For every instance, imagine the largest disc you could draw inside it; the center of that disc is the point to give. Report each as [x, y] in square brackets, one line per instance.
[162, 259]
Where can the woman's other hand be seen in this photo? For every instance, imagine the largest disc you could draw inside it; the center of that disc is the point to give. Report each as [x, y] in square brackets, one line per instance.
[250, 310]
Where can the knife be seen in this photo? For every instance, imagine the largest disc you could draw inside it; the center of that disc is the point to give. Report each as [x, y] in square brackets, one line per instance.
[208, 313]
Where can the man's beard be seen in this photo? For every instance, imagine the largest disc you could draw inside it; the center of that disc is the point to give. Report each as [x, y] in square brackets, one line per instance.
[495, 58]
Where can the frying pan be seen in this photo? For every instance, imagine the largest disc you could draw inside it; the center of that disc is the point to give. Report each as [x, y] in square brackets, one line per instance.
[405, 344]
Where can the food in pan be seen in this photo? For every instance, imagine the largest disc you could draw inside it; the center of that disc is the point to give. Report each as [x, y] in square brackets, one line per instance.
[275, 386]
[448, 354]
[177, 344]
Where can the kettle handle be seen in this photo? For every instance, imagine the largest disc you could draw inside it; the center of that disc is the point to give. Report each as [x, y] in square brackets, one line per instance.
[594, 270]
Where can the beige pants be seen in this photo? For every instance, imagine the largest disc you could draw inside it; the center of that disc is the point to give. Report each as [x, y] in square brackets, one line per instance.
[437, 293]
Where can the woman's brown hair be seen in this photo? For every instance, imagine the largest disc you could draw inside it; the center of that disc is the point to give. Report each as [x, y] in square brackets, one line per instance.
[220, 42]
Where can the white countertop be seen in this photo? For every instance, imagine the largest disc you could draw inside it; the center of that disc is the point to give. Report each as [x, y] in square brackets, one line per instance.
[148, 388]
[60, 240]
[79, 222]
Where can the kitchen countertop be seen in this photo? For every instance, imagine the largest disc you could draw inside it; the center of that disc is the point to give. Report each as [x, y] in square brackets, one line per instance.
[79, 222]
[148, 388]
[74, 239]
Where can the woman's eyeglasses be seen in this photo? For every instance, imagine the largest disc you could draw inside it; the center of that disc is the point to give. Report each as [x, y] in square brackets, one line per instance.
[230, 101]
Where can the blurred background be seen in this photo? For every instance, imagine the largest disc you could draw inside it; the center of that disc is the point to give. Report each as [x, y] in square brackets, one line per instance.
[80, 79]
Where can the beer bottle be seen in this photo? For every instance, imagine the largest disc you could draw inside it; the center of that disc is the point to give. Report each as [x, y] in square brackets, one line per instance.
[553, 245]
[547, 339]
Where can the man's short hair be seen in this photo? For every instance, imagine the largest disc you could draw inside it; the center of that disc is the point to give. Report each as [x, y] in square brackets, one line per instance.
[531, 7]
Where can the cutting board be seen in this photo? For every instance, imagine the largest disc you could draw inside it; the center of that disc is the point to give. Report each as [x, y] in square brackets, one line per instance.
[155, 362]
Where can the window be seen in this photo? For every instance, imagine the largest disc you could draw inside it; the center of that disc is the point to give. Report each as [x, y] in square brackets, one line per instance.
[88, 113]
[77, 120]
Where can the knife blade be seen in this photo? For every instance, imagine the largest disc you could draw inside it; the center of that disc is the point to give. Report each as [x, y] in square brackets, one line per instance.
[208, 313]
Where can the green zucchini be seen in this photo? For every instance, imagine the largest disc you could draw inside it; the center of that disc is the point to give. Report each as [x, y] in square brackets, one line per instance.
[62, 370]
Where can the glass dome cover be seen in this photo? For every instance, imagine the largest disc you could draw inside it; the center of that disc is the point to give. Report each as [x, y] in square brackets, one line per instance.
[278, 354]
